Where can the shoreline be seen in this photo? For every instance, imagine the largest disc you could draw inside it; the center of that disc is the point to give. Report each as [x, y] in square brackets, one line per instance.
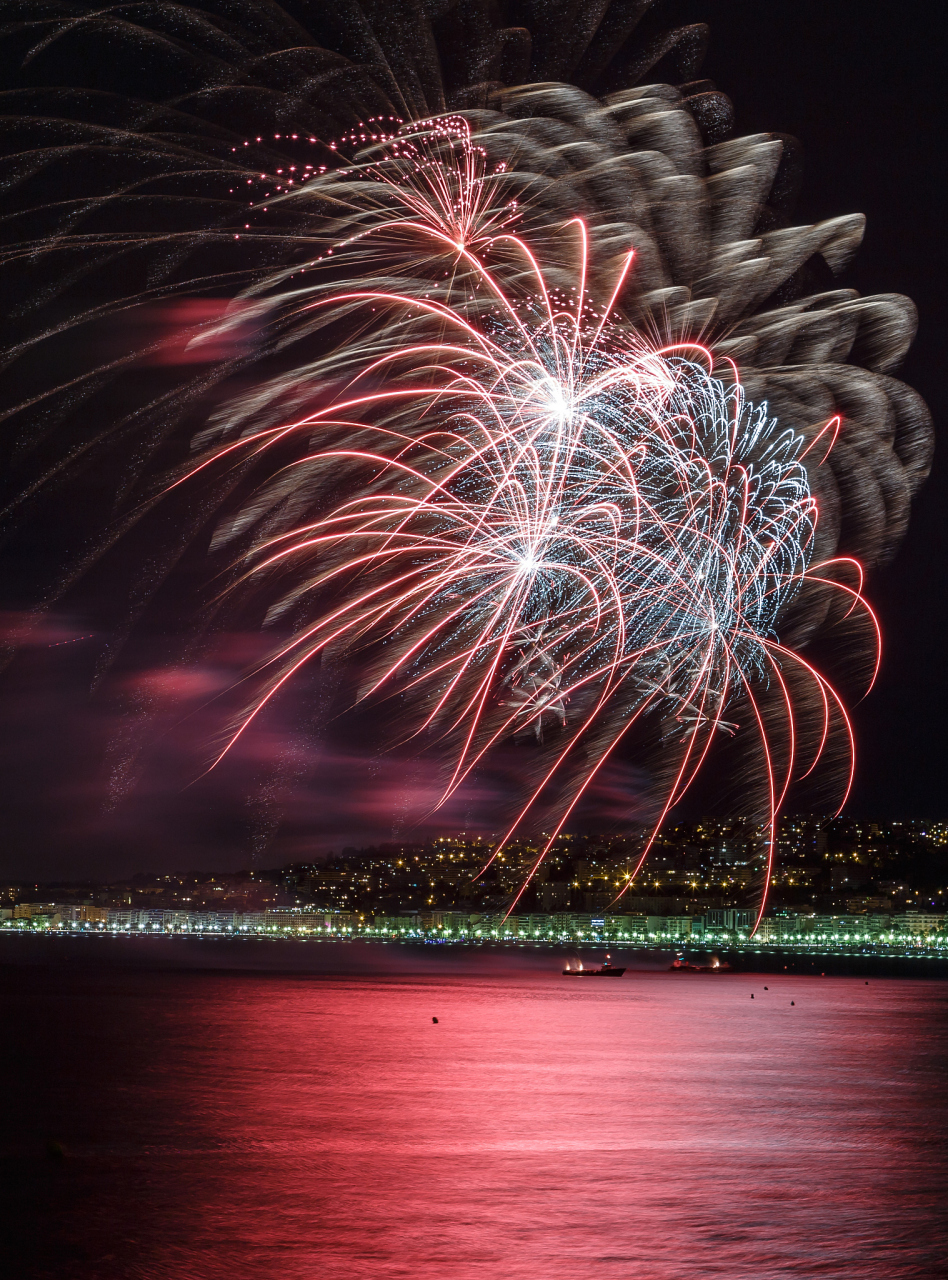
[363, 955]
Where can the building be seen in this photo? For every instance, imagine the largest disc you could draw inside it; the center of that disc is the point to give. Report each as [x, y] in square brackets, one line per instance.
[878, 922]
[918, 922]
[456, 922]
[89, 914]
[297, 919]
[733, 919]
[124, 918]
[396, 925]
[26, 910]
[156, 919]
[668, 926]
[533, 926]
[627, 926]
[213, 921]
[555, 894]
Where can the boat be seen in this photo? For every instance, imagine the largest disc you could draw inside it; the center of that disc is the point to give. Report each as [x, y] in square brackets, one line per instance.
[608, 970]
[681, 965]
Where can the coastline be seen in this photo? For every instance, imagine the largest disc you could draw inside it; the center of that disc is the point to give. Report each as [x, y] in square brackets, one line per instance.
[354, 957]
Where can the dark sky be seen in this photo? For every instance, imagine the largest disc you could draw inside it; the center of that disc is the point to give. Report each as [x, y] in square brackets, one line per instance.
[106, 783]
[861, 85]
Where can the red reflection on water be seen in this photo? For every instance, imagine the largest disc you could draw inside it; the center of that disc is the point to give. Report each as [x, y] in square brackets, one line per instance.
[657, 1128]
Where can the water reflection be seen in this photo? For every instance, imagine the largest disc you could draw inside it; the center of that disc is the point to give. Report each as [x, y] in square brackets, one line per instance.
[655, 1127]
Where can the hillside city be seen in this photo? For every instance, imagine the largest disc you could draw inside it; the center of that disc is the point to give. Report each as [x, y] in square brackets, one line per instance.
[842, 880]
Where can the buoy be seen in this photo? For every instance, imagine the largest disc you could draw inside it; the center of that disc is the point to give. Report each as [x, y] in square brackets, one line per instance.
[792, 1002]
[766, 988]
[752, 995]
[434, 1019]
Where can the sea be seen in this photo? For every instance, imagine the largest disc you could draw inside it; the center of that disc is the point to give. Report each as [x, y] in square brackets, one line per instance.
[311, 1111]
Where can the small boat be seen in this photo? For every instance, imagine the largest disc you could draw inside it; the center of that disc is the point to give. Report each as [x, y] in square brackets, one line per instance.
[608, 970]
[681, 965]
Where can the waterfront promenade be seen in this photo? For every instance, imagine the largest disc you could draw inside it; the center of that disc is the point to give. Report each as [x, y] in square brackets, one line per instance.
[913, 935]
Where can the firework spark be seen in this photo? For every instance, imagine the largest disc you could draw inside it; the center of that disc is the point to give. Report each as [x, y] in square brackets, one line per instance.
[553, 527]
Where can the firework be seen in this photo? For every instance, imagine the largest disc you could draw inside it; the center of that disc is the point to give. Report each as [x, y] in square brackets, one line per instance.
[553, 527]
[532, 407]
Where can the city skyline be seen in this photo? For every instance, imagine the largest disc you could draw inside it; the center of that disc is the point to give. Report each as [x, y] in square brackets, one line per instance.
[842, 866]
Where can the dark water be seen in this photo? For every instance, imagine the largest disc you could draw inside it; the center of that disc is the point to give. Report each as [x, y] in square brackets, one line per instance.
[228, 1124]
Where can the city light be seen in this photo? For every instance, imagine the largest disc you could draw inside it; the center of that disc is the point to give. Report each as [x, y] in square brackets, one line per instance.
[840, 886]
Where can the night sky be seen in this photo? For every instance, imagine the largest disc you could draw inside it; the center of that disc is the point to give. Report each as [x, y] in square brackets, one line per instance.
[858, 84]
[109, 782]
